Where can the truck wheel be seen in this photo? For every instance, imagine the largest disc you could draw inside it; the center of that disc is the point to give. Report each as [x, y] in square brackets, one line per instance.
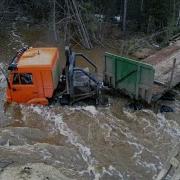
[102, 101]
[64, 100]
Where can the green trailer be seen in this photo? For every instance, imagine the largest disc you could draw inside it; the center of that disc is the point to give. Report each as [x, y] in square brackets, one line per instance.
[134, 78]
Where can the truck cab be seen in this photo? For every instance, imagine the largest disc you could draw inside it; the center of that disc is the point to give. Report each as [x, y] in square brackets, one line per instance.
[33, 75]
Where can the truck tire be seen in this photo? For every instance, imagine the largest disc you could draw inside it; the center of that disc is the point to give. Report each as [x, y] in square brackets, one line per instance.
[65, 100]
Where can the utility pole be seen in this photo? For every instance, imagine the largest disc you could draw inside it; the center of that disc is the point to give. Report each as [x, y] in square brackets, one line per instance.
[172, 73]
[124, 15]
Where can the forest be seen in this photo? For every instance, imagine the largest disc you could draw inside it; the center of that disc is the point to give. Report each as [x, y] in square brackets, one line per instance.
[90, 22]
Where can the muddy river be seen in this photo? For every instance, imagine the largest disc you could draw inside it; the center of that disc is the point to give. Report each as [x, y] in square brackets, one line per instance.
[81, 142]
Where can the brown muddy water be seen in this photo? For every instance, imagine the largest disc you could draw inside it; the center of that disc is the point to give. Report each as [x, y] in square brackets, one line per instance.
[82, 142]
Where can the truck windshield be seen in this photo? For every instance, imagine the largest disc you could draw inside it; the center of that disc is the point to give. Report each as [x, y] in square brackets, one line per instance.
[22, 78]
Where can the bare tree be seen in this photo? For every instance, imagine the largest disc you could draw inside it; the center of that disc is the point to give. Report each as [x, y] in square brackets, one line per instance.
[73, 24]
[85, 34]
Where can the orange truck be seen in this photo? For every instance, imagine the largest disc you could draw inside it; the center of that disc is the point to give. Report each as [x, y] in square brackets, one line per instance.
[35, 75]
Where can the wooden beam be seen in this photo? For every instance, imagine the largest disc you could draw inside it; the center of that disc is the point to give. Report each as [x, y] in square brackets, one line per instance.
[172, 73]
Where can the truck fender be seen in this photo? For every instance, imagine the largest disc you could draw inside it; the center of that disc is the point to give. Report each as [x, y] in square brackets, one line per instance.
[40, 101]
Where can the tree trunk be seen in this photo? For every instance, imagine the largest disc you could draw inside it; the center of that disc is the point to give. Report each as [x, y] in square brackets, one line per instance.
[142, 3]
[124, 16]
[54, 21]
[174, 13]
[178, 19]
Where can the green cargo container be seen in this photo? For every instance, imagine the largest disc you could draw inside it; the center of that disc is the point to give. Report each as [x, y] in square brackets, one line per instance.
[133, 77]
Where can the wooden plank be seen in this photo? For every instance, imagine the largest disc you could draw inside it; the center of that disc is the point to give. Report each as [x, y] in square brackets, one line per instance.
[176, 175]
[137, 82]
[168, 164]
[163, 54]
[167, 71]
[163, 70]
[172, 73]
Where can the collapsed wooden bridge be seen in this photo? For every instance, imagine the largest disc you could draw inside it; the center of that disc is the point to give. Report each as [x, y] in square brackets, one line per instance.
[167, 69]
[171, 168]
[148, 79]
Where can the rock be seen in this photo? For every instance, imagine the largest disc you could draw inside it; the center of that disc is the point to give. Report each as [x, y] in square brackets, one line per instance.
[35, 171]
[2, 141]
[135, 106]
[4, 164]
[164, 108]
[26, 170]
[68, 157]
[169, 96]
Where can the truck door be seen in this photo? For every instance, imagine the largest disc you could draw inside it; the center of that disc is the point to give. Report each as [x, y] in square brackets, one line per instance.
[23, 87]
